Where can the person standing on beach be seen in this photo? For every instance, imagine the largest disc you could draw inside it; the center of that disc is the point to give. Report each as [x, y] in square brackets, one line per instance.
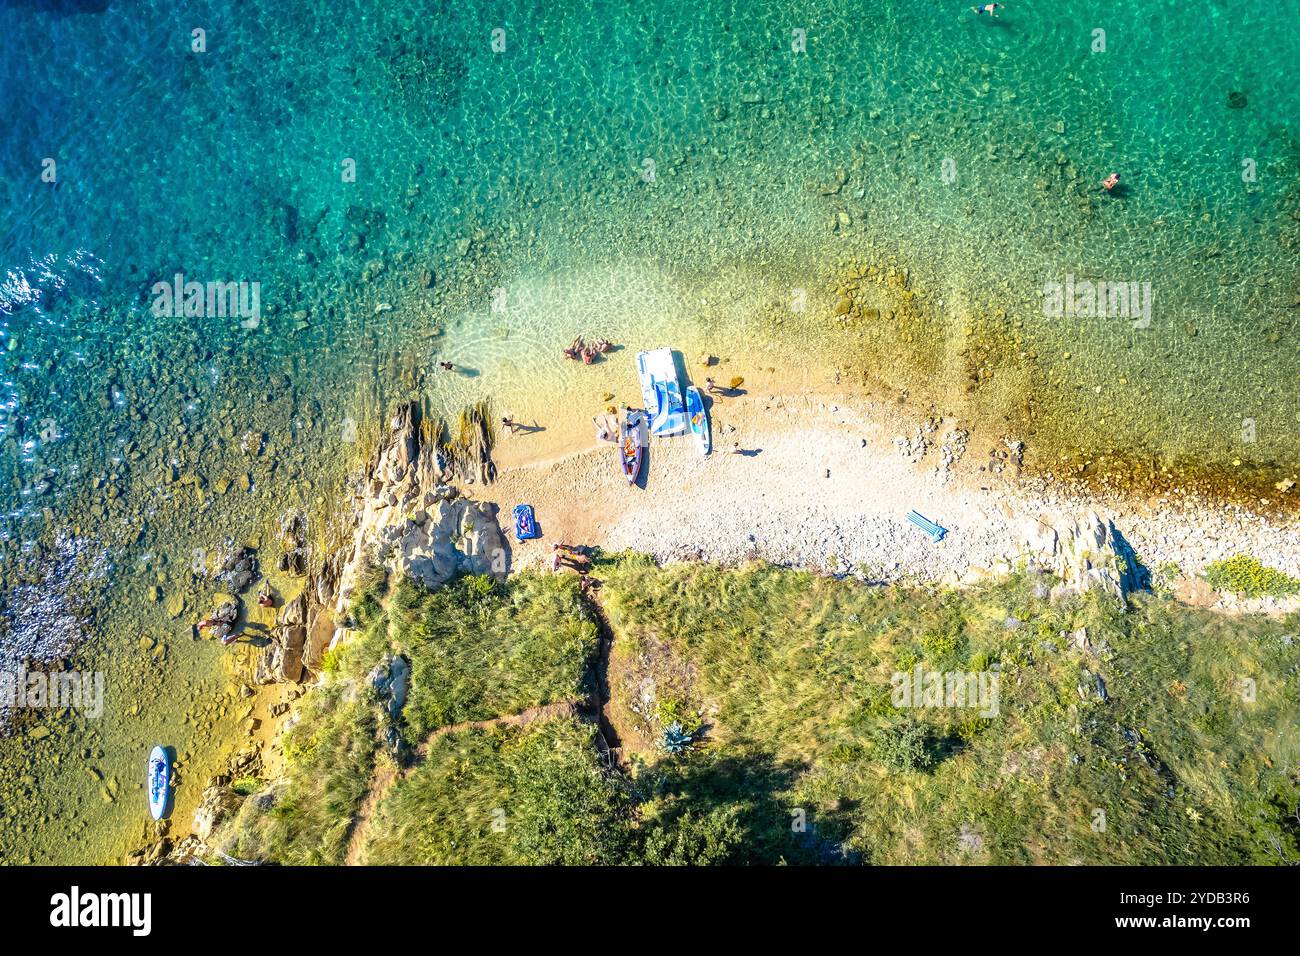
[508, 423]
[447, 366]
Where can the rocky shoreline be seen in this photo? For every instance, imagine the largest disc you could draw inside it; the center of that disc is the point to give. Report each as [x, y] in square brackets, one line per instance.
[407, 516]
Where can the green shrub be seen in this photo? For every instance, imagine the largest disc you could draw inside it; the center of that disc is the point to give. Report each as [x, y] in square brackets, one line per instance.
[906, 745]
[710, 837]
[673, 710]
[1247, 576]
[941, 648]
[247, 785]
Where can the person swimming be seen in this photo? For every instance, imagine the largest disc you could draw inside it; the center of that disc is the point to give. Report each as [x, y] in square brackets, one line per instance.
[990, 8]
[1110, 182]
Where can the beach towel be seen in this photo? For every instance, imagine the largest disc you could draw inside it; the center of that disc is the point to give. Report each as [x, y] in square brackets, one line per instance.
[525, 523]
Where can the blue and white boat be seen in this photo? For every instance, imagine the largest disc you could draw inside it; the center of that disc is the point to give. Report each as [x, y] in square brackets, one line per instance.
[159, 782]
[662, 392]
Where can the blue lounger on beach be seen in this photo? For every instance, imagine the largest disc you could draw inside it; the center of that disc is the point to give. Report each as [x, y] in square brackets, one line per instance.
[525, 525]
[935, 532]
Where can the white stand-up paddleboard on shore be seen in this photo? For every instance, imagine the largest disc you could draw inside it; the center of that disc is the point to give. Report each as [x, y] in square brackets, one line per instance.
[698, 419]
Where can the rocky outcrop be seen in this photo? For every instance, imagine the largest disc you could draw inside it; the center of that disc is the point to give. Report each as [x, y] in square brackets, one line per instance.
[320, 631]
[389, 680]
[282, 659]
[1084, 551]
[236, 567]
[293, 542]
[409, 521]
[216, 804]
[405, 518]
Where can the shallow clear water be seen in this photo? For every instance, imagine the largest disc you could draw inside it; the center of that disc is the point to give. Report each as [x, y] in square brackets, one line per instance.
[503, 202]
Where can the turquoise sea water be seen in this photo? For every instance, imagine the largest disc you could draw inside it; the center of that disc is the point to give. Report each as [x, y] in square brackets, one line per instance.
[655, 173]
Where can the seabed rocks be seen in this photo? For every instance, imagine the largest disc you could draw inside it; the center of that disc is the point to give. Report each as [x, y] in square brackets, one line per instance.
[407, 519]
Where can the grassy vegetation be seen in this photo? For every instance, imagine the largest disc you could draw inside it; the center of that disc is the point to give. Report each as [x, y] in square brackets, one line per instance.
[795, 670]
[534, 795]
[479, 649]
[1247, 576]
[1154, 734]
[330, 753]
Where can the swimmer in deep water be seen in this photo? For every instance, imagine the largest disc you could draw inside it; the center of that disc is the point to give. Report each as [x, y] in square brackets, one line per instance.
[990, 8]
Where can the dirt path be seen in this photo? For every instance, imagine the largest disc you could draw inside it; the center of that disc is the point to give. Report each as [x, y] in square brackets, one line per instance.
[382, 779]
[611, 745]
[386, 774]
[564, 708]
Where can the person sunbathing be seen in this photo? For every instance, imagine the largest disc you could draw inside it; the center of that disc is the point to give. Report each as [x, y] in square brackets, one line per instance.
[575, 557]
